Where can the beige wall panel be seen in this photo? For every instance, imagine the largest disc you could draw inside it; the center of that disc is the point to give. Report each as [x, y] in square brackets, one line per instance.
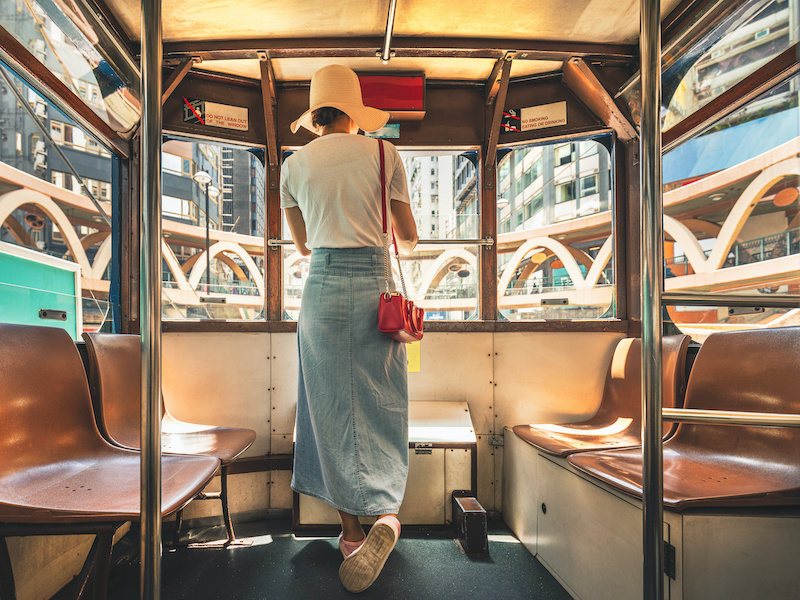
[283, 362]
[42, 565]
[220, 379]
[280, 493]
[423, 503]
[457, 476]
[737, 557]
[282, 443]
[545, 377]
[486, 473]
[247, 492]
[520, 493]
[456, 366]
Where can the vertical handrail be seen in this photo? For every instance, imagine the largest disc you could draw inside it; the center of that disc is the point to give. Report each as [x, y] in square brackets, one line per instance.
[652, 262]
[150, 302]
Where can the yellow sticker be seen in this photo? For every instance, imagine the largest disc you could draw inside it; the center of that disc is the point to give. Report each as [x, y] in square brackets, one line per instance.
[413, 357]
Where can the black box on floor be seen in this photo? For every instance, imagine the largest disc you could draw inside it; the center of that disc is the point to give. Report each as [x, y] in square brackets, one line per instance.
[469, 518]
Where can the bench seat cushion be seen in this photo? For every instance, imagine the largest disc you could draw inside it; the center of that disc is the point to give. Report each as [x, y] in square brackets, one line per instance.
[97, 487]
[617, 423]
[698, 479]
[114, 365]
[224, 443]
[561, 440]
[55, 467]
[726, 465]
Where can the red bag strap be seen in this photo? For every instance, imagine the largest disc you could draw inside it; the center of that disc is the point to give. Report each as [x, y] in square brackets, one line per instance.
[383, 194]
[386, 226]
[383, 186]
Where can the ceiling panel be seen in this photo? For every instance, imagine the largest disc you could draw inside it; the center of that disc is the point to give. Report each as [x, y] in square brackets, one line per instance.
[596, 21]
[301, 69]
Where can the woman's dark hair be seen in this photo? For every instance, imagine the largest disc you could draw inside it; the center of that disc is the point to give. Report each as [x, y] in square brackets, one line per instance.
[325, 116]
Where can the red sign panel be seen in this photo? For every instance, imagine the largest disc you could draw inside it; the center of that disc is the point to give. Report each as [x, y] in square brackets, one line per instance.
[394, 93]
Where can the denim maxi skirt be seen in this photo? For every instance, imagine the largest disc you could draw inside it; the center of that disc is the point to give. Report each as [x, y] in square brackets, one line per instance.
[351, 437]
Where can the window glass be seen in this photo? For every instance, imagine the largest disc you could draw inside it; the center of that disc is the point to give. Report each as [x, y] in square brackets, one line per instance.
[48, 228]
[441, 278]
[731, 214]
[753, 34]
[65, 38]
[224, 278]
[552, 262]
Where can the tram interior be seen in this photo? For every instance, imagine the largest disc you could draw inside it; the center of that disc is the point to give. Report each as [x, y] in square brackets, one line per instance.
[519, 125]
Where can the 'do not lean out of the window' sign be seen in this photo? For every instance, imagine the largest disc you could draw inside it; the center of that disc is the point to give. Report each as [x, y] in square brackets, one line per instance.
[215, 115]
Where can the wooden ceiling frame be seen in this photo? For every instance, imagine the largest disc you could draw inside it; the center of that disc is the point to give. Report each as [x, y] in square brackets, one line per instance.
[582, 79]
[176, 77]
[403, 47]
[496, 90]
[270, 119]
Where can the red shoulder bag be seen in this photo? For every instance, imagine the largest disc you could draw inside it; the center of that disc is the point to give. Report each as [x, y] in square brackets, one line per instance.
[397, 316]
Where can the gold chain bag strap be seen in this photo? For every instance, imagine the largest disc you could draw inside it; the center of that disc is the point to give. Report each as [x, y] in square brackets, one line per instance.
[397, 316]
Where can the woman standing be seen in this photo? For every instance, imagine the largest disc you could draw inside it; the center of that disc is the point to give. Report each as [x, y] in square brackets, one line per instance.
[351, 447]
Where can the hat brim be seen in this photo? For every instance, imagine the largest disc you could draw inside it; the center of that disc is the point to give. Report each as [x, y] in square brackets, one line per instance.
[366, 117]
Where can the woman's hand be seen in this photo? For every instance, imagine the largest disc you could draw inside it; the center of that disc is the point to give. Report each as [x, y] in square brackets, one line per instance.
[297, 226]
[405, 229]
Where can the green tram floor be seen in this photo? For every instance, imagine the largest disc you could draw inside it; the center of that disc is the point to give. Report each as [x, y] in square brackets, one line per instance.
[277, 565]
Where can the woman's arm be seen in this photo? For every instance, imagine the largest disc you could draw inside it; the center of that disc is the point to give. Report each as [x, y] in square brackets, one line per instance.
[297, 226]
[405, 229]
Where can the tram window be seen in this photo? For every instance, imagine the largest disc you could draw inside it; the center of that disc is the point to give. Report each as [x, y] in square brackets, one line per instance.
[49, 228]
[732, 222]
[755, 33]
[80, 54]
[546, 251]
[443, 279]
[215, 191]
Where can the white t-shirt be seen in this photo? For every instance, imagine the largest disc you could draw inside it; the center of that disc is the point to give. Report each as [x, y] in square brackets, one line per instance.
[335, 180]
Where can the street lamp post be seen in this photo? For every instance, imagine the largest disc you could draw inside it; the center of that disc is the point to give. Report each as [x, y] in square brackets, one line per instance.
[204, 179]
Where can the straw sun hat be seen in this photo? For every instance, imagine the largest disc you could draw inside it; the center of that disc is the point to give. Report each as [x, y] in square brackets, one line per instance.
[338, 86]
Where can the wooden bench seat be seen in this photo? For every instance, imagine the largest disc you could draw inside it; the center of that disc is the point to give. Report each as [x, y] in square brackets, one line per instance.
[57, 474]
[114, 368]
[617, 423]
[725, 465]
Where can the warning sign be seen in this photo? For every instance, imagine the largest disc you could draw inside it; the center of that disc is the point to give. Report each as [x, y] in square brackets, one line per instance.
[510, 120]
[545, 115]
[215, 115]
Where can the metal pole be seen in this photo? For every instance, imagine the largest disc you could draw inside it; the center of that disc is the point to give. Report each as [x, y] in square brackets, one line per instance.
[150, 302]
[387, 38]
[208, 245]
[652, 262]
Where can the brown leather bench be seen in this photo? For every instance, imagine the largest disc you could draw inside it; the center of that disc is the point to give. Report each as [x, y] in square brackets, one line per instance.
[114, 367]
[725, 465]
[58, 475]
[617, 423]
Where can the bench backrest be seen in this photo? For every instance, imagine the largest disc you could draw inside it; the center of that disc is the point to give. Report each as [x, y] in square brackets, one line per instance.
[115, 380]
[756, 371]
[45, 407]
[622, 394]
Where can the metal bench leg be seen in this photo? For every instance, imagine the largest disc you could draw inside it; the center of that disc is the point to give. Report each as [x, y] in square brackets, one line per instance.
[102, 565]
[226, 514]
[7, 589]
[176, 536]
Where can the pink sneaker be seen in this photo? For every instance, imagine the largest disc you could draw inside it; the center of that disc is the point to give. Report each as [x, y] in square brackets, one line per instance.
[361, 568]
[347, 548]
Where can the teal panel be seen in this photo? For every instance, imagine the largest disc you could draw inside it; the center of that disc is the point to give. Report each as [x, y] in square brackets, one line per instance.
[27, 286]
[21, 305]
[29, 273]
